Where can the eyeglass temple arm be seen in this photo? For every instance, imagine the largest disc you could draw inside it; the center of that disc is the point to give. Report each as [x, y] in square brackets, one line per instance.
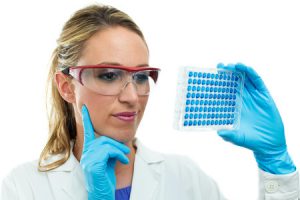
[66, 71]
[154, 75]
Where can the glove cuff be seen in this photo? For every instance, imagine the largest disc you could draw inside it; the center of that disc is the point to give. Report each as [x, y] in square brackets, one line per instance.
[93, 196]
[279, 164]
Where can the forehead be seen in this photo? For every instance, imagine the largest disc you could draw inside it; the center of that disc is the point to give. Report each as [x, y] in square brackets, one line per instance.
[114, 45]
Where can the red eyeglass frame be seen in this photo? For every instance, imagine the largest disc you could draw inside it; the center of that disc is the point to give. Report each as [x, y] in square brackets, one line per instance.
[75, 71]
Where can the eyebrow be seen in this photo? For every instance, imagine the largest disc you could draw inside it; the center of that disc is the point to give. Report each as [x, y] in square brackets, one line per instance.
[119, 64]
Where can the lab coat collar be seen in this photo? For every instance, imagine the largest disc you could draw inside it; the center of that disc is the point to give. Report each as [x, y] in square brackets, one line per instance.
[67, 180]
[146, 178]
[68, 166]
[147, 173]
[146, 154]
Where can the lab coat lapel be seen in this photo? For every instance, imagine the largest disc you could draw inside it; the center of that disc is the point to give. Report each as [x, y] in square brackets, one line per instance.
[67, 181]
[147, 174]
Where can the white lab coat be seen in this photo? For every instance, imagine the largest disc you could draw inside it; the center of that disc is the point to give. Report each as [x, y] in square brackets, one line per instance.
[156, 177]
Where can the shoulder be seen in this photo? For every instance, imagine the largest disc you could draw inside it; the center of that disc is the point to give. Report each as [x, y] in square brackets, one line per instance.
[28, 182]
[20, 180]
[177, 161]
[24, 173]
[178, 168]
[179, 165]
[175, 169]
[25, 170]
[184, 167]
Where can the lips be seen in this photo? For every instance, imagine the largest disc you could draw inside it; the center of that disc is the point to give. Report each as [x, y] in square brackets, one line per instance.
[126, 116]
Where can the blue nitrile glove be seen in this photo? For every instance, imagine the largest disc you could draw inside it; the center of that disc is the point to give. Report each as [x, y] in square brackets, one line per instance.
[261, 129]
[99, 156]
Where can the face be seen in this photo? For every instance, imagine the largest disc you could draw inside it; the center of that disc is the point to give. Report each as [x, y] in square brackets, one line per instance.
[114, 46]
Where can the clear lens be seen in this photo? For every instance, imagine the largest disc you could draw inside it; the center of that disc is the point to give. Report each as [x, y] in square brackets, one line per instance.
[110, 81]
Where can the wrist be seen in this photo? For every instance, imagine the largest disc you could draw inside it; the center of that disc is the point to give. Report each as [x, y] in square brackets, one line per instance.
[93, 196]
[275, 164]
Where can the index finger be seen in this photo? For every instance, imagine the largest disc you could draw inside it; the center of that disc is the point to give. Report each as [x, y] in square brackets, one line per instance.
[88, 129]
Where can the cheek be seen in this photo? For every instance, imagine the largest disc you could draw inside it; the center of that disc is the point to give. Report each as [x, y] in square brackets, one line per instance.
[101, 108]
[143, 103]
[98, 106]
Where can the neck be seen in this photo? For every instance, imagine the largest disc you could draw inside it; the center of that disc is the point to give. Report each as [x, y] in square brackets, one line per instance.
[124, 173]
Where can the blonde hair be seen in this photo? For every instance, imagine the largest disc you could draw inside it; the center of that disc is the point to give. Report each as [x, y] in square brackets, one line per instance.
[77, 30]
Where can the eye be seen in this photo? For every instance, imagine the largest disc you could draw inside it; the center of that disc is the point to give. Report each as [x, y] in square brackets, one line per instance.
[141, 78]
[109, 76]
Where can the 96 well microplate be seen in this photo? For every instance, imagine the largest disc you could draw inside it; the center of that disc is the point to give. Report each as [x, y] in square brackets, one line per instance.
[208, 99]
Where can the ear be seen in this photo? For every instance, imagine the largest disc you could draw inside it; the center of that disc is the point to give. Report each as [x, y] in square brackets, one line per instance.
[65, 87]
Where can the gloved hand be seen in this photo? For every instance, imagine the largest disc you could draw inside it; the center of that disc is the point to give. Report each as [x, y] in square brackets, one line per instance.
[98, 160]
[261, 129]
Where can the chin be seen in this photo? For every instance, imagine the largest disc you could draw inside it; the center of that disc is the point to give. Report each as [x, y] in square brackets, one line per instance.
[119, 135]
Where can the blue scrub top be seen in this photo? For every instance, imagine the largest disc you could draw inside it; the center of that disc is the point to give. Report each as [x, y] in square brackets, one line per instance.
[123, 193]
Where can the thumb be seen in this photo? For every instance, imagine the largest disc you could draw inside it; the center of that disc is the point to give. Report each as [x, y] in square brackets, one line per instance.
[221, 66]
[232, 136]
[112, 162]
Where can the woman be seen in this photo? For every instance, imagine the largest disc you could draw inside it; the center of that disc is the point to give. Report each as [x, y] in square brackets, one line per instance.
[100, 80]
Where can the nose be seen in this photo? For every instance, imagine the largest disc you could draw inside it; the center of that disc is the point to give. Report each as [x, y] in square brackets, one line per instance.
[129, 94]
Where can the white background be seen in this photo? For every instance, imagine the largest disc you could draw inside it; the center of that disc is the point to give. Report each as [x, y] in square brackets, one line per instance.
[262, 34]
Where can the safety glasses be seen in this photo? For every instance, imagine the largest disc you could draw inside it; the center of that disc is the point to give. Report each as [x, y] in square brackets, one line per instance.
[111, 80]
